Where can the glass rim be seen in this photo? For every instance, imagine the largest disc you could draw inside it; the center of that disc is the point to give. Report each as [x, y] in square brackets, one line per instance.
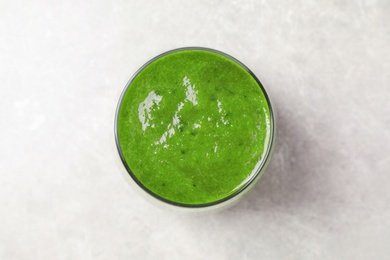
[241, 189]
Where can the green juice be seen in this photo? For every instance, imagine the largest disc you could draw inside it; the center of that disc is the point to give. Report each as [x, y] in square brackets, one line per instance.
[193, 127]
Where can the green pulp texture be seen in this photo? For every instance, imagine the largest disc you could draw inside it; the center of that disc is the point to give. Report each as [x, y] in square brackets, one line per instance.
[194, 126]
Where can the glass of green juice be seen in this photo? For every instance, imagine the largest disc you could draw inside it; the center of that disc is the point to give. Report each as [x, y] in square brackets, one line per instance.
[195, 129]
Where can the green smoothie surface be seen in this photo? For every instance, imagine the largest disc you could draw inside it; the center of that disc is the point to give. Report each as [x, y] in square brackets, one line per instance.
[194, 126]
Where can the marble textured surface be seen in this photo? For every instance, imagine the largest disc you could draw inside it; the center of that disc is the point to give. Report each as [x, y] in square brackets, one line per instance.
[64, 64]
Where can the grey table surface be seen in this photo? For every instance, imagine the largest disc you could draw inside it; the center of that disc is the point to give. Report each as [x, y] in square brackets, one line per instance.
[326, 64]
